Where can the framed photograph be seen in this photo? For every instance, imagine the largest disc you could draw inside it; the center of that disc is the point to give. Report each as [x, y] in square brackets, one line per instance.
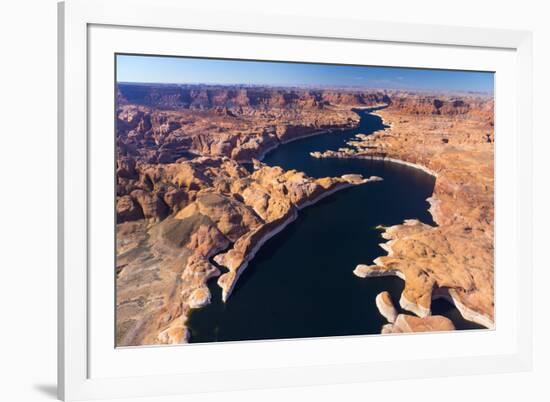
[253, 201]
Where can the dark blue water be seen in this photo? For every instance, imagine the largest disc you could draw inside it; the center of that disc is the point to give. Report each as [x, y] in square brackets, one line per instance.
[301, 282]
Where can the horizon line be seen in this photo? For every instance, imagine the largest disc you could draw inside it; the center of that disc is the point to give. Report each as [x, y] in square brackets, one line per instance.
[310, 86]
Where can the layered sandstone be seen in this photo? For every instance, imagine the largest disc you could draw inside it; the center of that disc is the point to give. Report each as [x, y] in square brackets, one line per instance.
[202, 97]
[451, 139]
[408, 323]
[276, 196]
[161, 124]
[163, 266]
[401, 323]
[386, 307]
[188, 210]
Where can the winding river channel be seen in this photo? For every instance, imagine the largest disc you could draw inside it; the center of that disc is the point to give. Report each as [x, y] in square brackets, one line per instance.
[301, 282]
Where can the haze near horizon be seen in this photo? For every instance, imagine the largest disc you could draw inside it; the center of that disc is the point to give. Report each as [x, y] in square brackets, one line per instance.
[186, 70]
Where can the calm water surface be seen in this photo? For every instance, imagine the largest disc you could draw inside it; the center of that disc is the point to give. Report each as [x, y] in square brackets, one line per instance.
[301, 282]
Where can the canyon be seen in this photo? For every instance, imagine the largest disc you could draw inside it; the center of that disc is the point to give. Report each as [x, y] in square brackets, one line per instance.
[454, 142]
[195, 202]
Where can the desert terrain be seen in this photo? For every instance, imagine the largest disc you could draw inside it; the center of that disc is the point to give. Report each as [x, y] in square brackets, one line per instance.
[195, 203]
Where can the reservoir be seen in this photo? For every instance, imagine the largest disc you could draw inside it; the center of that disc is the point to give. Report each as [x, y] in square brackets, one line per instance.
[301, 284]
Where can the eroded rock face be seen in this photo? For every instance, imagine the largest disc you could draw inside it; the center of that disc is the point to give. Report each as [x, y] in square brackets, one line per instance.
[162, 124]
[200, 297]
[453, 140]
[128, 209]
[386, 307]
[276, 196]
[176, 215]
[435, 261]
[409, 323]
[401, 323]
[173, 335]
[158, 190]
[163, 267]
[185, 202]
[225, 100]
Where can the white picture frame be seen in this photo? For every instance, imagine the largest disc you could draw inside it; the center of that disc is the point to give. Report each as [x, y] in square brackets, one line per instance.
[76, 378]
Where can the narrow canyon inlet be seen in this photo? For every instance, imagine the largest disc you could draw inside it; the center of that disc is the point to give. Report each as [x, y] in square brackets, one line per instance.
[271, 200]
[301, 283]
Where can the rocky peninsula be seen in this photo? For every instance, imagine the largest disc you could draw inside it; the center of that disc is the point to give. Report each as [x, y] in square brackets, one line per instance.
[195, 203]
[399, 323]
[453, 140]
[188, 210]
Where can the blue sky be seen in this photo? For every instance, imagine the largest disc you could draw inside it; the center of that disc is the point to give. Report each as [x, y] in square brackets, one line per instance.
[182, 70]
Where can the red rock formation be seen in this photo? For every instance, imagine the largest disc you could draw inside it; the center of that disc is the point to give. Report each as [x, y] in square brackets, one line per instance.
[163, 262]
[453, 140]
[183, 198]
[408, 323]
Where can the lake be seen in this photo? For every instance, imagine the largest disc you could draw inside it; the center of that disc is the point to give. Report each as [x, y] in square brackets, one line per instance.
[301, 282]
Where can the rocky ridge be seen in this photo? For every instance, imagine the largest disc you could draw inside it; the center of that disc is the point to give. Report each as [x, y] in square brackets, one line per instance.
[161, 124]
